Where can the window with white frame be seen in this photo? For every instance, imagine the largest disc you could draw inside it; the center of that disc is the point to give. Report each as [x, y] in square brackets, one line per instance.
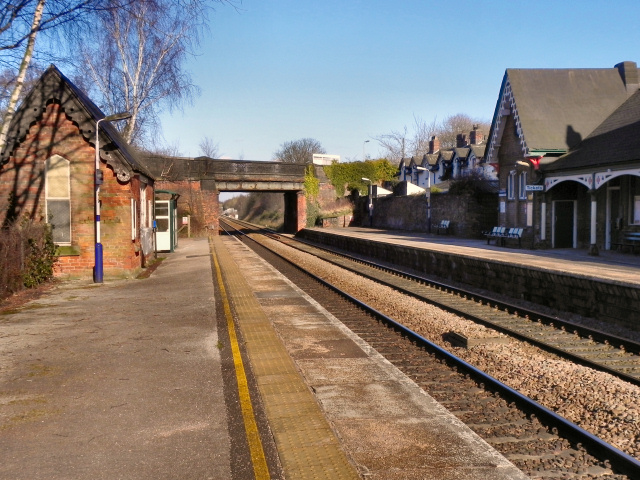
[58, 198]
[143, 206]
[511, 180]
[522, 185]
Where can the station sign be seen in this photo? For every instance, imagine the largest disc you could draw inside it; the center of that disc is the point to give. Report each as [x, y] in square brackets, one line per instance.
[534, 188]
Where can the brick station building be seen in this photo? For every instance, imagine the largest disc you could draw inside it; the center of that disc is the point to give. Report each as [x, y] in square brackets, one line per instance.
[47, 172]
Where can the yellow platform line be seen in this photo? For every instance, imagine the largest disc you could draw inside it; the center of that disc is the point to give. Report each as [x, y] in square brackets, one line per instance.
[307, 446]
[258, 459]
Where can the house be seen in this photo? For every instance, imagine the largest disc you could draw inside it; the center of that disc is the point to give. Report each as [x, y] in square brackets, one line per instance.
[48, 173]
[440, 165]
[562, 141]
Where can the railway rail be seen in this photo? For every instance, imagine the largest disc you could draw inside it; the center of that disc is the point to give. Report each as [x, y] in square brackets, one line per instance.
[587, 346]
[537, 440]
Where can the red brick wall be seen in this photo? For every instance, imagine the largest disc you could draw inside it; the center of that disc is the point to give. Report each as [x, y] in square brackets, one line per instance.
[23, 179]
[202, 205]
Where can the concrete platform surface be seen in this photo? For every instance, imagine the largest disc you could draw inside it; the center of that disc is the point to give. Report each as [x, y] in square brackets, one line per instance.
[126, 380]
[389, 427]
[116, 381]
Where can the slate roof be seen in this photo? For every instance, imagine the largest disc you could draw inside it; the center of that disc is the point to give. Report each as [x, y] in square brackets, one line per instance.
[615, 141]
[478, 150]
[559, 107]
[53, 85]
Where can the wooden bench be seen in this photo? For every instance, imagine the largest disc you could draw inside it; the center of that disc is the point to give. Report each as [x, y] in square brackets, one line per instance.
[628, 239]
[497, 233]
[443, 225]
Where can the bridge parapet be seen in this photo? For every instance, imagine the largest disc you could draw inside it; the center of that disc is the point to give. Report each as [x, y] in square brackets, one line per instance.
[229, 174]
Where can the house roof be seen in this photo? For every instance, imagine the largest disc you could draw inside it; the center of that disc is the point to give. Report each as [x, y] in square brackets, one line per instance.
[478, 150]
[462, 152]
[559, 107]
[432, 159]
[614, 141]
[54, 86]
[446, 155]
[554, 109]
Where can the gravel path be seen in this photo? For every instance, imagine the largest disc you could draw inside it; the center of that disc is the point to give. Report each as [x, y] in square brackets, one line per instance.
[598, 402]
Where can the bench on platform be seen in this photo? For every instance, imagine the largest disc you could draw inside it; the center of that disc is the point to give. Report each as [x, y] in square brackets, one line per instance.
[513, 233]
[495, 234]
[501, 235]
[628, 239]
[443, 225]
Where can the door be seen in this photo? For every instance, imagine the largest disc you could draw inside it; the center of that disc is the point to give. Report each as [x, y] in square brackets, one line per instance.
[163, 226]
[563, 228]
[614, 217]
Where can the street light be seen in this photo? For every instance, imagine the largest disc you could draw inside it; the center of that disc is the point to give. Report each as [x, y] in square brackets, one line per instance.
[363, 155]
[98, 272]
[365, 179]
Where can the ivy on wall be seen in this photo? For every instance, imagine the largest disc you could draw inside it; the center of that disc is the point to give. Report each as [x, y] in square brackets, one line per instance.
[348, 176]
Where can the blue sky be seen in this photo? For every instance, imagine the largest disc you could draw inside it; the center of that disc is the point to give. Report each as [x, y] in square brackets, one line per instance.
[343, 72]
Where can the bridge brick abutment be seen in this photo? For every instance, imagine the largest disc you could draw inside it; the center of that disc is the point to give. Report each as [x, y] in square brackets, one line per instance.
[611, 301]
[200, 180]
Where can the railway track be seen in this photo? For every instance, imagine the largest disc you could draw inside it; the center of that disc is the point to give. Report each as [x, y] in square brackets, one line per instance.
[541, 443]
[593, 348]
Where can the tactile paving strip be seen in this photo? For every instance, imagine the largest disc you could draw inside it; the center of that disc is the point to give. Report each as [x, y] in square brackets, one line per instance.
[307, 446]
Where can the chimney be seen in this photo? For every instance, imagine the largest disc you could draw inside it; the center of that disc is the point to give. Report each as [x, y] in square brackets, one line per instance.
[476, 137]
[434, 145]
[461, 140]
[629, 73]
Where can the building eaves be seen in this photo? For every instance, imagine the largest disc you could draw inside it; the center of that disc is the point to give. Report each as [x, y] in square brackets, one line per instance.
[54, 86]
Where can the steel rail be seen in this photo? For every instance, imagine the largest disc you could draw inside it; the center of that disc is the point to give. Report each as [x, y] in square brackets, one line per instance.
[597, 447]
[518, 311]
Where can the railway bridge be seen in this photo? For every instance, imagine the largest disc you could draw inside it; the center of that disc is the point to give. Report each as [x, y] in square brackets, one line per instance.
[200, 180]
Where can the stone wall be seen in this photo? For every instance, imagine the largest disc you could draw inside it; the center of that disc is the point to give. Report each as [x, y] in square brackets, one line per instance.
[469, 215]
[609, 301]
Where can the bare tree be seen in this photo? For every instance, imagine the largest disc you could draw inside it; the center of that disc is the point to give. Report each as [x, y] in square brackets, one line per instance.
[20, 24]
[460, 123]
[138, 65]
[209, 148]
[298, 151]
[422, 133]
[404, 144]
[401, 144]
[394, 144]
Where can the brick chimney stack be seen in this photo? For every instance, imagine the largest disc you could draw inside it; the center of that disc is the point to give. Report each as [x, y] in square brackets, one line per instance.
[629, 73]
[434, 144]
[461, 140]
[476, 137]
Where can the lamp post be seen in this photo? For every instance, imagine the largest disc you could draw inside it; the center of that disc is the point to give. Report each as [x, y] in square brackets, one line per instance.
[370, 189]
[98, 272]
[428, 196]
[363, 145]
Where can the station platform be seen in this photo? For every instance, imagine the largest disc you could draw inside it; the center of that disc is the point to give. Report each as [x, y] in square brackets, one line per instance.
[603, 290]
[608, 265]
[215, 367]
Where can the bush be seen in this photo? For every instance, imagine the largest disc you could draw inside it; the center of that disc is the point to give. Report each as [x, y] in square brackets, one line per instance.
[27, 256]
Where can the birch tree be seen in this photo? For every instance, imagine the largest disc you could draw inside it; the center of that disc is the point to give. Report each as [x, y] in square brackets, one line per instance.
[138, 64]
[21, 23]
